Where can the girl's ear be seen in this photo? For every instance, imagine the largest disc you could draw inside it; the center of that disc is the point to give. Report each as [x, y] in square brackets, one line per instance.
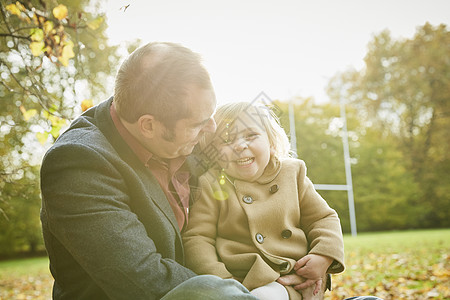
[272, 150]
[146, 124]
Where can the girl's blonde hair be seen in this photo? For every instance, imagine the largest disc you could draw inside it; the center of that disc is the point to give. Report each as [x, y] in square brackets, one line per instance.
[229, 113]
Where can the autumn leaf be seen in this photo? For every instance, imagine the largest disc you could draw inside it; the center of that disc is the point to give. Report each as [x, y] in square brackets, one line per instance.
[20, 6]
[13, 9]
[48, 27]
[57, 39]
[37, 48]
[55, 131]
[60, 12]
[57, 123]
[42, 137]
[37, 35]
[95, 24]
[67, 53]
[35, 20]
[27, 114]
[86, 104]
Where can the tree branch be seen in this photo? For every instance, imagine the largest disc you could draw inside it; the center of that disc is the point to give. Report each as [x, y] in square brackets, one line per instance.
[4, 17]
[15, 36]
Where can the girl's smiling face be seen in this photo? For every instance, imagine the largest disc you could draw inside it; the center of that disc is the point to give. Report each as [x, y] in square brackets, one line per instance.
[244, 147]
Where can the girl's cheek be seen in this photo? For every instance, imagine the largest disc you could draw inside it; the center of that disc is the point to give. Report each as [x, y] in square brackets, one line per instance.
[223, 159]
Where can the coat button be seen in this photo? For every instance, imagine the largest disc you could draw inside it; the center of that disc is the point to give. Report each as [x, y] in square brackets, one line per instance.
[247, 199]
[286, 234]
[274, 188]
[259, 238]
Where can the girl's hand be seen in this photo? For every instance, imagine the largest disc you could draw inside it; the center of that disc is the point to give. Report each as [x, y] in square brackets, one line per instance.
[313, 268]
[297, 282]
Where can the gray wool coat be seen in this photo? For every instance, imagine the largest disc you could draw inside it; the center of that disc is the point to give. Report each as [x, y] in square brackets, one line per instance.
[109, 230]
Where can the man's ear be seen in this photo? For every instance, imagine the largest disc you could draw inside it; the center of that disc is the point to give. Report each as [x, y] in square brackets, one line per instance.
[146, 125]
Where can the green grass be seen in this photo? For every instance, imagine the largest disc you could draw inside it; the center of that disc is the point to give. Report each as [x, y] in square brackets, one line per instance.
[390, 265]
[25, 279]
[23, 267]
[396, 241]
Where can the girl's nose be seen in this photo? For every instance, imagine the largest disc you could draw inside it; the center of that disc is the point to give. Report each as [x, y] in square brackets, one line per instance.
[240, 145]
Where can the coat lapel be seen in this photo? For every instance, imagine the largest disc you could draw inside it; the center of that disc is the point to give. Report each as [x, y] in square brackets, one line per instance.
[106, 125]
[159, 198]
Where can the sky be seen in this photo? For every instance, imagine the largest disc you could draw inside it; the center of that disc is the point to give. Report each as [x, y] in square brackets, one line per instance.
[284, 48]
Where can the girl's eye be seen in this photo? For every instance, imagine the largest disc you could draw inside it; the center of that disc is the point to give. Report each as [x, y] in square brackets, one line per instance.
[252, 136]
[227, 141]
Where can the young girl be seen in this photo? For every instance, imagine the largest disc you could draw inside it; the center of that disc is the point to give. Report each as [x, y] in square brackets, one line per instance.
[258, 217]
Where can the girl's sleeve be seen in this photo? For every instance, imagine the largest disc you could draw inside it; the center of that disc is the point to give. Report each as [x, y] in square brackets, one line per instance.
[320, 223]
[199, 238]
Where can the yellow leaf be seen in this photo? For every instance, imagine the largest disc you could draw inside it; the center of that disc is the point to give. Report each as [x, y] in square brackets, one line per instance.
[86, 104]
[27, 19]
[37, 48]
[55, 131]
[12, 8]
[60, 12]
[42, 137]
[35, 19]
[56, 121]
[67, 53]
[95, 24]
[48, 26]
[48, 49]
[27, 114]
[37, 35]
[20, 6]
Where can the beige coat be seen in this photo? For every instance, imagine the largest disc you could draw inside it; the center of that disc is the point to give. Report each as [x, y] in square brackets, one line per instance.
[256, 231]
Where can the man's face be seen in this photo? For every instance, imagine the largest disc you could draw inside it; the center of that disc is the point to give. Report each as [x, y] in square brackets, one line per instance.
[181, 140]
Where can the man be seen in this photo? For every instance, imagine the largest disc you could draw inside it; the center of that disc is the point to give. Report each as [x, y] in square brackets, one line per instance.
[115, 186]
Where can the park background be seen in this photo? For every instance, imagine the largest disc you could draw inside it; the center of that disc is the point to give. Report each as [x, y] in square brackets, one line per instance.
[389, 61]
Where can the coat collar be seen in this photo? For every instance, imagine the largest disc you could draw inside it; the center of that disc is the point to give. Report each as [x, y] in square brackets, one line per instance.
[272, 170]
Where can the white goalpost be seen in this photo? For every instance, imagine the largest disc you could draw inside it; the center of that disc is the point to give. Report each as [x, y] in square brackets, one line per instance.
[348, 172]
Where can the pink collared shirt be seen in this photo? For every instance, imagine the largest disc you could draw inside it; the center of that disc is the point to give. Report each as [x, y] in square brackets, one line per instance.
[171, 174]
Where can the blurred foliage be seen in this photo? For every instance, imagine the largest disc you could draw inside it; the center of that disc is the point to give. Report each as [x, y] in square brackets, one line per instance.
[402, 99]
[381, 183]
[398, 110]
[20, 225]
[54, 58]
